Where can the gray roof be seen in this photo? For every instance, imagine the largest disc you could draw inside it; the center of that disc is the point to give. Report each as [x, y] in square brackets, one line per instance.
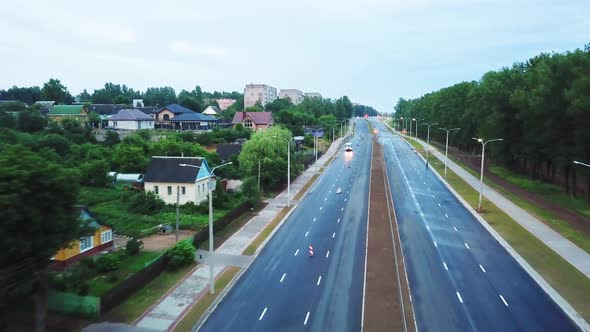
[130, 115]
[193, 117]
[168, 169]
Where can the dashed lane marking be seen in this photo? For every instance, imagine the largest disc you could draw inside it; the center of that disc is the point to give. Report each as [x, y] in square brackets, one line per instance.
[333, 234]
[283, 277]
[262, 315]
[467, 246]
[436, 245]
[455, 228]
[328, 254]
[459, 296]
[296, 252]
[306, 233]
[319, 280]
[481, 267]
[314, 219]
[503, 300]
[445, 264]
[306, 318]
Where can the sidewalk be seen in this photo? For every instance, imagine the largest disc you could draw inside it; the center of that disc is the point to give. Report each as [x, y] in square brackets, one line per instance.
[171, 307]
[577, 257]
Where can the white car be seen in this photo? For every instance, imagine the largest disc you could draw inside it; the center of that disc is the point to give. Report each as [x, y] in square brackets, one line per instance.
[348, 147]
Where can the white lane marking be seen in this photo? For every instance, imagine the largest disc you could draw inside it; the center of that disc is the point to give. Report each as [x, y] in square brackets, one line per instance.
[455, 228]
[433, 196]
[428, 228]
[466, 245]
[325, 199]
[459, 296]
[262, 315]
[345, 199]
[338, 221]
[348, 192]
[436, 245]
[283, 277]
[439, 205]
[319, 280]
[314, 219]
[333, 234]
[429, 189]
[481, 267]
[321, 208]
[502, 297]
[342, 209]
[306, 317]
[422, 214]
[446, 215]
[296, 252]
[306, 233]
[328, 254]
[445, 264]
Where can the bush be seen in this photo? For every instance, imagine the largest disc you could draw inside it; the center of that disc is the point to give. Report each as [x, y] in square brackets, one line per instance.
[88, 263]
[183, 253]
[108, 262]
[112, 277]
[133, 246]
[142, 202]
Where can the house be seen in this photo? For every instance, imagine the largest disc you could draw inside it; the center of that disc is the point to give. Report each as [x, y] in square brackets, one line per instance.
[167, 113]
[224, 103]
[59, 112]
[192, 121]
[131, 119]
[100, 240]
[254, 120]
[167, 179]
[228, 150]
[212, 110]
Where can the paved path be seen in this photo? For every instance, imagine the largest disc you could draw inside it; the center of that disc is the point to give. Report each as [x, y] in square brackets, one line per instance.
[165, 314]
[577, 257]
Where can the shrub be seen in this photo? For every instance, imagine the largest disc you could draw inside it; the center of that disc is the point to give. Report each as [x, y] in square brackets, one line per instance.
[183, 253]
[142, 202]
[88, 263]
[112, 277]
[133, 246]
[108, 262]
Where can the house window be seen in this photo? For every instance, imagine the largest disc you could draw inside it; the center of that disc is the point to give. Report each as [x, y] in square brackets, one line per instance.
[183, 190]
[248, 123]
[156, 190]
[169, 190]
[86, 243]
[166, 117]
[115, 123]
[106, 236]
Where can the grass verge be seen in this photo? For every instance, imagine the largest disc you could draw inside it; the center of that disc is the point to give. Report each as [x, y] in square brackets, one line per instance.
[251, 249]
[570, 283]
[305, 187]
[194, 314]
[328, 162]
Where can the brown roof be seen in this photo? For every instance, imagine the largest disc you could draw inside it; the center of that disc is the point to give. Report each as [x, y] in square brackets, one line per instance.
[259, 118]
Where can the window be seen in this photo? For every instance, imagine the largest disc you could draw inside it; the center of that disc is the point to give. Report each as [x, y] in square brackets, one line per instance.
[166, 117]
[86, 243]
[183, 191]
[248, 123]
[156, 191]
[169, 190]
[106, 236]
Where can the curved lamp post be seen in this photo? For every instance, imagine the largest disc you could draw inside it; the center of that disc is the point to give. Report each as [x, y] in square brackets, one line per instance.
[447, 146]
[428, 140]
[483, 151]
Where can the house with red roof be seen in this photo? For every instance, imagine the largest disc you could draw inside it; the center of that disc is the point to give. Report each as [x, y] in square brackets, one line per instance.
[256, 121]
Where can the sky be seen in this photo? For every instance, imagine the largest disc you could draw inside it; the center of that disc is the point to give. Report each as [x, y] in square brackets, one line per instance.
[373, 51]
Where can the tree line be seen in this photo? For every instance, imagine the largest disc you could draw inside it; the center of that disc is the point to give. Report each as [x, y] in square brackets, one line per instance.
[541, 108]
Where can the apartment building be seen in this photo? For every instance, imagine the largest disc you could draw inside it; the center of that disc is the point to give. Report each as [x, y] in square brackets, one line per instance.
[259, 92]
[294, 95]
[312, 95]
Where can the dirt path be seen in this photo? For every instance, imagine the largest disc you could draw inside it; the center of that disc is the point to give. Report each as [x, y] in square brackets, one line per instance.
[572, 218]
[387, 305]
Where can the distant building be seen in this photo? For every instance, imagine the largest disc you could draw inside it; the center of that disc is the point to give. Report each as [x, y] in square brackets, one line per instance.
[294, 95]
[167, 179]
[131, 119]
[192, 121]
[259, 92]
[59, 112]
[224, 103]
[137, 103]
[256, 121]
[312, 95]
[212, 110]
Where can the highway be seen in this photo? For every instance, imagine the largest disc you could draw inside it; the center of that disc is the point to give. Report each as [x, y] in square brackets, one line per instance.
[461, 278]
[286, 290]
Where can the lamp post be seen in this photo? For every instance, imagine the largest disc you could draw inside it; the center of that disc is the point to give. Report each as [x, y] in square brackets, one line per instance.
[401, 124]
[483, 151]
[211, 246]
[412, 125]
[447, 146]
[581, 163]
[341, 122]
[428, 140]
[417, 128]
[315, 146]
[288, 167]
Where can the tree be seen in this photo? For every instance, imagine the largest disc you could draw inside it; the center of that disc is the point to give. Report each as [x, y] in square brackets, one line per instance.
[94, 173]
[37, 200]
[161, 96]
[84, 96]
[102, 96]
[30, 121]
[129, 159]
[54, 90]
[94, 119]
[112, 139]
[26, 95]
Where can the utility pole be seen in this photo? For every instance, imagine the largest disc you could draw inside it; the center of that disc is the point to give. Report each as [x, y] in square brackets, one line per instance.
[428, 140]
[177, 210]
[447, 147]
[259, 175]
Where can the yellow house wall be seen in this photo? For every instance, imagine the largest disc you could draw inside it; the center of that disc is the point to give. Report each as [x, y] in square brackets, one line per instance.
[73, 248]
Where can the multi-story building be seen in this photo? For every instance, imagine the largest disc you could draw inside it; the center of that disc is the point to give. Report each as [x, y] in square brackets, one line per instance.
[312, 95]
[224, 103]
[294, 95]
[259, 92]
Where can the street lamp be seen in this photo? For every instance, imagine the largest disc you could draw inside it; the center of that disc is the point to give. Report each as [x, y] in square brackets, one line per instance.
[412, 125]
[288, 165]
[581, 163]
[341, 122]
[401, 124]
[447, 146]
[483, 150]
[428, 140]
[417, 128]
[211, 247]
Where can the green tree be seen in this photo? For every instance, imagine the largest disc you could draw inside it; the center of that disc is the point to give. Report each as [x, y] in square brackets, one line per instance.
[161, 96]
[38, 218]
[129, 159]
[54, 90]
[94, 173]
[94, 119]
[112, 139]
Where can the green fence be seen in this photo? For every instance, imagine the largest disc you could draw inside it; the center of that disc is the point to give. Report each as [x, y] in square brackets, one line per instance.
[88, 306]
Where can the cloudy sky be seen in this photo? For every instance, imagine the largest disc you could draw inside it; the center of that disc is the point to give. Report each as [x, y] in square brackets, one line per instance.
[374, 51]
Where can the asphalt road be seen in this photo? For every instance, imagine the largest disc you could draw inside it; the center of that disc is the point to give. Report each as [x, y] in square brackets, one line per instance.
[461, 278]
[286, 290]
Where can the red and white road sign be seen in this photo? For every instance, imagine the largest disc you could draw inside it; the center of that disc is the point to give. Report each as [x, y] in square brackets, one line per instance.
[310, 251]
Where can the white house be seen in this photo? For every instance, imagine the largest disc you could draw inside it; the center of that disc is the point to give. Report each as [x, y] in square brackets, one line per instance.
[211, 110]
[131, 119]
[167, 179]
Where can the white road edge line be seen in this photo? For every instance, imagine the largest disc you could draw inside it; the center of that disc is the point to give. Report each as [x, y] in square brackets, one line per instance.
[328, 254]
[459, 296]
[306, 317]
[428, 228]
[446, 267]
[466, 245]
[502, 297]
[262, 315]
[439, 205]
[436, 245]
[481, 267]
[319, 280]
[446, 215]
[296, 252]
[283, 277]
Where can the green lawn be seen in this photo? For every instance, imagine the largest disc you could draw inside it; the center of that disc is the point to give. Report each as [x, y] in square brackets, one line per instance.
[563, 277]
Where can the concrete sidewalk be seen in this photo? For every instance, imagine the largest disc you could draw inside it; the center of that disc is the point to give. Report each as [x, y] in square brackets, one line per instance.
[170, 308]
[577, 257]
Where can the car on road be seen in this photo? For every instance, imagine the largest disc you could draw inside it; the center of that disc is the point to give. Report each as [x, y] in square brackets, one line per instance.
[348, 147]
